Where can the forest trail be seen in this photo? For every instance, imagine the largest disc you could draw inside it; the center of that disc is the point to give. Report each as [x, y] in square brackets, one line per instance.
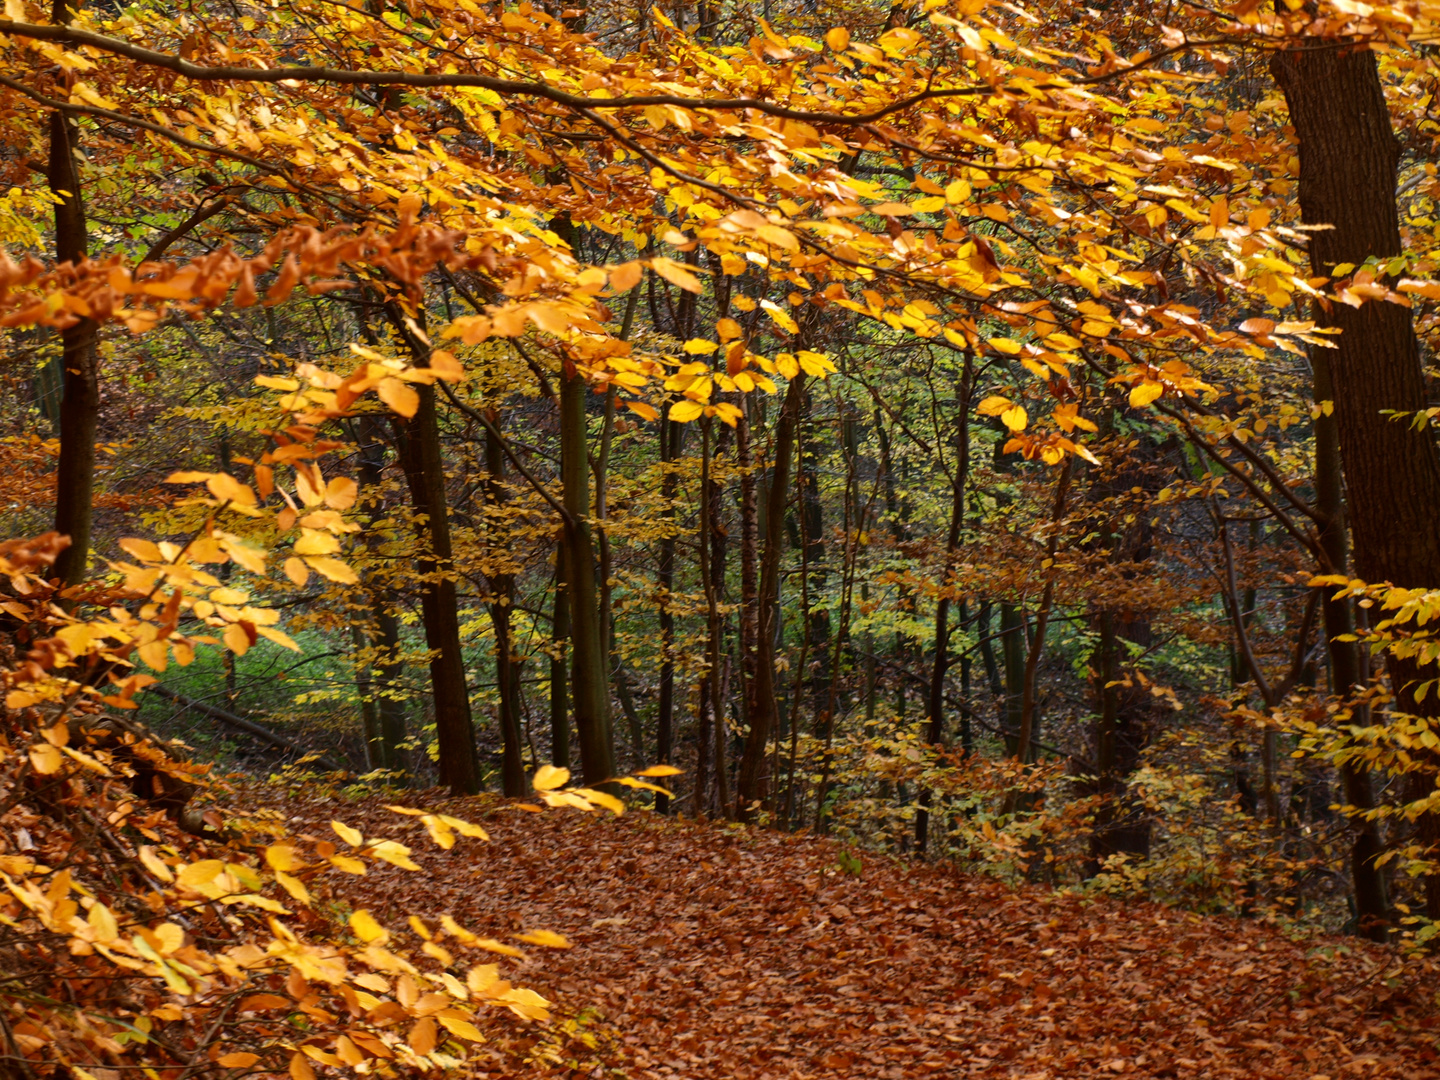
[717, 953]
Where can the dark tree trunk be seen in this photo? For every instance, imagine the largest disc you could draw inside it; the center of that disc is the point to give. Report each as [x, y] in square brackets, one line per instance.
[507, 669]
[80, 403]
[425, 471]
[764, 708]
[1348, 160]
[670, 433]
[385, 711]
[589, 688]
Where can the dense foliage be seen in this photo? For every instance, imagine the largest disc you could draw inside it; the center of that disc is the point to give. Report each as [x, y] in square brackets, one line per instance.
[983, 433]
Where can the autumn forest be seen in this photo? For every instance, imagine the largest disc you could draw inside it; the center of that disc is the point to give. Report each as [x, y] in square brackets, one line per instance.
[802, 538]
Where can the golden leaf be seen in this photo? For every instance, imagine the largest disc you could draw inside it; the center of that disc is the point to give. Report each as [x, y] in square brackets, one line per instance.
[545, 938]
[462, 1028]
[394, 853]
[366, 928]
[659, 770]
[1144, 394]
[333, 569]
[549, 777]
[350, 835]
[600, 798]
[237, 1060]
[401, 398]
[45, 759]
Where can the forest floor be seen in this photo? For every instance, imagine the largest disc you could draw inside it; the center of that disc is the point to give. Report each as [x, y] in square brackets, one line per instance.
[712, 952]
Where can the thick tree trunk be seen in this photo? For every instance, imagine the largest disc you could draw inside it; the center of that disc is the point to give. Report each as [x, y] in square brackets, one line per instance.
[425, 471]
[764, 707]
[589, 687]
[1348, 160]
[80, 404]
[1372, 905]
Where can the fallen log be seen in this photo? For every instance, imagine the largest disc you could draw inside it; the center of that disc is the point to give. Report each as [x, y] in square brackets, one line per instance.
[239, 723]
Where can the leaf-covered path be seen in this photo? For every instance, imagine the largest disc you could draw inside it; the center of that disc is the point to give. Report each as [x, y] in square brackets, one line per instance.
[715, 953]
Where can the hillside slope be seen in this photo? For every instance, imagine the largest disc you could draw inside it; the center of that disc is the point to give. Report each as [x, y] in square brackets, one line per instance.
[703, 952]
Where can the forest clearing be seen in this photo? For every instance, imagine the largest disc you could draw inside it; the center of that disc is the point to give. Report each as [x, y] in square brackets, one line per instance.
[776, 538]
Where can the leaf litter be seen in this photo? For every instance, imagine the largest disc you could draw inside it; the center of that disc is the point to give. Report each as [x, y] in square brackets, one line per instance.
[674, 950]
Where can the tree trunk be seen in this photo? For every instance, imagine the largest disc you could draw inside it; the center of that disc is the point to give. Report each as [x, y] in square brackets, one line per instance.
[507, 669]
[559, 668]
[665, 709]
[589, 687]
[80, 404]
[384, 710]
[764, 708]
[1372, 905]
[1348, 160]
[425, 471]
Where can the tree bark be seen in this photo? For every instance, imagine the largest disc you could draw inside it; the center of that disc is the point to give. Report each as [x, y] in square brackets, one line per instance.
[507, 669]
[425, 472]
[80, 401]
[589, 687]
[1348, 161]
[764, 708]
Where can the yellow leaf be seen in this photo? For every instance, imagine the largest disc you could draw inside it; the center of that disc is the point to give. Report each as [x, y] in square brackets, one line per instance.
[491, 945]
[1144, 394]
[626, 276]
[931, 204]
[341, 493]
[781, 316]
[237, 1060]
[394, 853]
[202, 873]
[152, 863]
[45, 759]
[838, 39]
[348, 864]
[700, 346]
[348, 1052]
[549, 777]
[641, 409]
[226, 487]
[631, 782]
[294, 886]
[236, 639]
[350, 835]
[102, 921]
[300, 1068]
[682, 412]
[546, 938]
[295, 570]
[659, 770]
[1005, 345]
[366, 928]
[675, 273]
[462, 1028]
[316, 542]
[400, 397]
[422, 1037]
[142, 549]
[600, 798]
[993, 406]
[333, 569]
[464, 828]
[1014, 418]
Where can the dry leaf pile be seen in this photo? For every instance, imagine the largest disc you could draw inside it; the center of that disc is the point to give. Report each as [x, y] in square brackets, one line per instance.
[703, 951]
